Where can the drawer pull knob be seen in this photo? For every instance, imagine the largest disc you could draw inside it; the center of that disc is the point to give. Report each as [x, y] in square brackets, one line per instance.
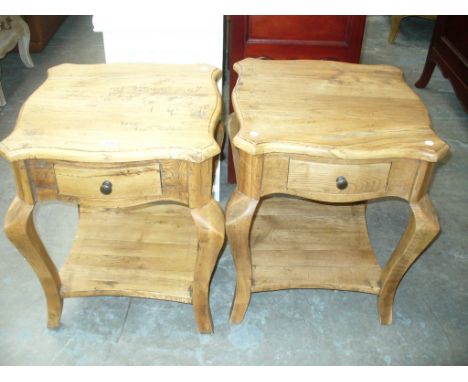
[106, 187]
[341, 182]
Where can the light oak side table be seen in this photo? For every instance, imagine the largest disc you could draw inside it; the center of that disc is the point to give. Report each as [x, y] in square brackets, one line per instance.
[313, 142]
[133, 146]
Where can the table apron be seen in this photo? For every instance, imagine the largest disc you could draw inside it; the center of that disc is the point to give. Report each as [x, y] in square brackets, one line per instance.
[159, 180]
[316, 178]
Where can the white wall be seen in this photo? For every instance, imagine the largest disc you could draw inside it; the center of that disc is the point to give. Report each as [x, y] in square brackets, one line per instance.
[164, 37]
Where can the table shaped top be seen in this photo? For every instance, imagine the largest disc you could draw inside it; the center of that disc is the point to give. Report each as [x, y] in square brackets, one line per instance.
[119, 113]
[331, 110]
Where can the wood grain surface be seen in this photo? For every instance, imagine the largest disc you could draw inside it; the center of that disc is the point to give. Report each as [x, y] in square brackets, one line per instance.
[20, 229]
[128, 182]
[119, 112]
[321, 177]
[145, 252]
[331, 110]
[297, 243]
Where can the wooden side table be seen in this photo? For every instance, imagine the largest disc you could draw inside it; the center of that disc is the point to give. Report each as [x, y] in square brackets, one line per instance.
[292, 37]
[122, 141]
[314, 141]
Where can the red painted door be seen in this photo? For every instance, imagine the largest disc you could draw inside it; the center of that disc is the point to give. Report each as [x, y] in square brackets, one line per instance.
[336, 38]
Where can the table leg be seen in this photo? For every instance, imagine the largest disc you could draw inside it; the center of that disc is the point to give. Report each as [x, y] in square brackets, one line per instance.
[239, 215]
[422, 228]
[395, 26]
[19, 227]
[209, 221]
[426, 75]
[23, 45]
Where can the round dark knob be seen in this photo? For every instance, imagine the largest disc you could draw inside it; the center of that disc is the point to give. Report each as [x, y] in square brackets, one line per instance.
[106, 187]
[341, 182]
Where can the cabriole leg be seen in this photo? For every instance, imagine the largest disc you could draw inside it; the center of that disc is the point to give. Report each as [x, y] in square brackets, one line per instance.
[422, 228]
[209, 221]
[426, 74]
[239, 215]
[19, 227]
[23, 46]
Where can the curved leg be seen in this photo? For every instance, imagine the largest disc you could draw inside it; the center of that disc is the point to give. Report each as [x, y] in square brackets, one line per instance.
[239, 215]
[19, 227]
[422, 228]
[23, 45]
[209, 221]
[426, 74]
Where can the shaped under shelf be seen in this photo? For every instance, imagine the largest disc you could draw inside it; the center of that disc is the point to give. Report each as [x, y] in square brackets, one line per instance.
[297, 243]
[143, 252]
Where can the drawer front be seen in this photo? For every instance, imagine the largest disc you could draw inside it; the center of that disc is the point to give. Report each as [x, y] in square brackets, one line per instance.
[330, 178]
[109, 185]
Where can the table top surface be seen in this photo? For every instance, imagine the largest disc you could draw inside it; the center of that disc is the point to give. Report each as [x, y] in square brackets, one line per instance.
[331, 110]
[119, 113]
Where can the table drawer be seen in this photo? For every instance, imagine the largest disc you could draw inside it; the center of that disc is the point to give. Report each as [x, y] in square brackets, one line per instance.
[338, 178]
[108, 184]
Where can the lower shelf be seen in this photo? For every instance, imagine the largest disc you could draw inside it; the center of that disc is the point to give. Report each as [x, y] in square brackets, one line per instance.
[297, 243]
[146, 252]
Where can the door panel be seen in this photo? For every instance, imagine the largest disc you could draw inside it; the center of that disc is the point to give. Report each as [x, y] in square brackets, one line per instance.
[337, 38]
